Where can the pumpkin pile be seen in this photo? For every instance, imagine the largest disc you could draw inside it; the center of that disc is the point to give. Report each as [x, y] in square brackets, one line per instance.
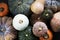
[29, 19]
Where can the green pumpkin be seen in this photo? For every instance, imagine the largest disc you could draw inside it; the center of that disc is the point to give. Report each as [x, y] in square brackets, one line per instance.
[47, 14]
[27, 34]
[20, 6]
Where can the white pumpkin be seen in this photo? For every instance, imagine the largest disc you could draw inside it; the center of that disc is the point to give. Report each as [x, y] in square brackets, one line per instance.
[20, 22]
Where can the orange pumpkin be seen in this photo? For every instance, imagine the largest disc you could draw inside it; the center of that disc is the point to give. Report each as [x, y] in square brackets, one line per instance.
[3, 9]
[47, 36]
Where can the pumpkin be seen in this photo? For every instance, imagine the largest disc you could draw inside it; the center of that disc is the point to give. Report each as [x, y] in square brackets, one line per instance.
[3, 9]
[7, 32]
[55, 22]
[34, 18]
[39, 29]
[26, 34]
[47, 36]
[20, 6]
[37, 7]
[21, 20]
[47, 14]
[53, 4]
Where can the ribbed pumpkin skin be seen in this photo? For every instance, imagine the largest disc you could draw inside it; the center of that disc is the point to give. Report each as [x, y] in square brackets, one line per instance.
[20, 6]
[7, 32]
[27, 34]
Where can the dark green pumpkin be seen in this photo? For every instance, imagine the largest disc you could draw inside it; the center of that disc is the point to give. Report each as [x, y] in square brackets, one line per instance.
[47, 14]
[27, 34]
[20, 6]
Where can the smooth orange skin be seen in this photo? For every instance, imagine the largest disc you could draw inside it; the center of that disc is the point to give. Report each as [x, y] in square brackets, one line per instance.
[50, 36]
[4, 5]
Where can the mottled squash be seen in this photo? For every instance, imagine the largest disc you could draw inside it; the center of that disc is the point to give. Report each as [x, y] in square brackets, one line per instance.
[7, 32]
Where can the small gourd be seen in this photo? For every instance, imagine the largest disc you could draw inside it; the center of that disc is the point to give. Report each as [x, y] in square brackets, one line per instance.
[53, 4]
[47, 14]
[3, 9]
[39, 29]
[20, 22]
[7, 32]
[34, 18]
[20, 6]
[37, 7]
[55, 22]
[27, 34]
[47, 36]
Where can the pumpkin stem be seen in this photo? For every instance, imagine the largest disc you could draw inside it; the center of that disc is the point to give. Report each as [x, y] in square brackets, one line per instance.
[45, 36]
[20, 21]
[40, 28]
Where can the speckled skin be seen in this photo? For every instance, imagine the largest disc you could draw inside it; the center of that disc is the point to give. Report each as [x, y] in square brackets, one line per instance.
[36, 30]
[55, 22]
[7, 32]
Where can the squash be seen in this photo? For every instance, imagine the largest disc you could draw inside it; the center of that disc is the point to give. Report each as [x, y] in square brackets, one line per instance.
[47, 36]
[53, 4]
[55, 22]
[7, 32]
[47, 14]
[39, 29]
[21, 20]
[20, 6]
[3, 9]
[34, 18]
[37, 7]
[26, 34]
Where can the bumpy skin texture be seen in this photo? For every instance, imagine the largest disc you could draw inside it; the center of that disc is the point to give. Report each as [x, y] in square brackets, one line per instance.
[55, 22]
[53, 4]
[7, 32]
[26, 34]
[19, 6]
[39, 29]
[49, 36]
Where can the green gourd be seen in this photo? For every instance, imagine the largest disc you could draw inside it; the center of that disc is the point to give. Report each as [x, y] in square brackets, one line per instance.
[20, 6]
[26, 34]
[47, 14]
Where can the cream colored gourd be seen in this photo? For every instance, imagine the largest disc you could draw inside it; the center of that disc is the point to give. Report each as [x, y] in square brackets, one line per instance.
[20, 22]
[38, 6]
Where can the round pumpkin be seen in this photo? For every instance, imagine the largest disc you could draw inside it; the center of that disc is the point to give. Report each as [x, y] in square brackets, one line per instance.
[37, 7]
[3, 9]
[39, 29]
[20, 6]
[47, 14]
[27, 34]
[7, 32]
[53, 4]
[47, 36]
[20, 22]
[55, 22]
[34, 18]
